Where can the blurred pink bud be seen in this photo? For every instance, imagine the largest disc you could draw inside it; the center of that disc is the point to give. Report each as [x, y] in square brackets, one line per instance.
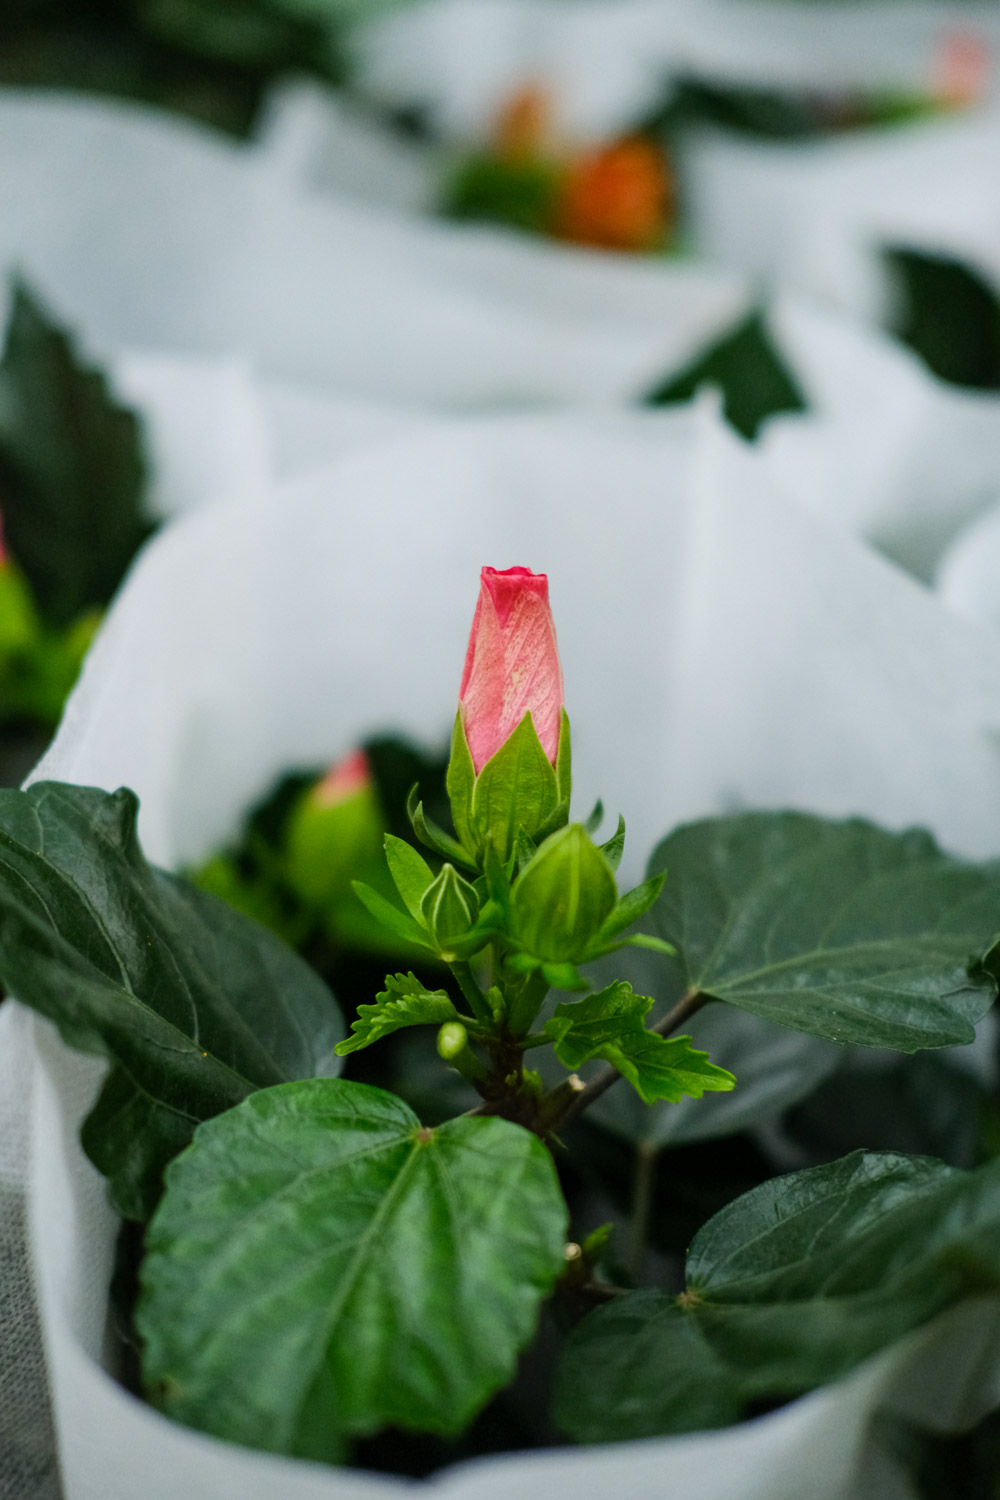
[511, 665]
[963, 69]
[350, 775]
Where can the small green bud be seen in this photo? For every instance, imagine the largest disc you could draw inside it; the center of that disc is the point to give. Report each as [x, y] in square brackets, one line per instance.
[452, 1040]
[449, 907]
[562, 896]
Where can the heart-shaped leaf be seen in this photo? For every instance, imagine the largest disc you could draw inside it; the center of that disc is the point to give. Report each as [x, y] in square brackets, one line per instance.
[322, 1266]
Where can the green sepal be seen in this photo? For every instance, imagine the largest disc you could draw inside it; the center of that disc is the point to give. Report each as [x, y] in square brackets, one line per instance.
[450, 910]
[564, 977]
[399, 923]
[403, 1002]
[614, 847]
[563, 898]
[433, 837]
[628, 909]
[642, 940]
[564, 761]
[460, 783]
[596, 818]
[516, 788]
[411, 874]
[611, 1025]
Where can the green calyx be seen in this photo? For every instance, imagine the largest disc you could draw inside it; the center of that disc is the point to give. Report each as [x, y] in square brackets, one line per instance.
[518, 795]
[450, 909]
[563, 896]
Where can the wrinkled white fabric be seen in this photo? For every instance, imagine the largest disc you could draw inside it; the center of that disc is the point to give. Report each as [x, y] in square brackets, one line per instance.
[814, 216]
[149, 233]
[720, 646]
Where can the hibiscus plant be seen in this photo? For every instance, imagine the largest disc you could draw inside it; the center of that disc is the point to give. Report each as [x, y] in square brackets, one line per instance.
[320, 1265]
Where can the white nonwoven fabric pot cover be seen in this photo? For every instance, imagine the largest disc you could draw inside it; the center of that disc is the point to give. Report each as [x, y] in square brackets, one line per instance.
[814, 216]
[215, 432]
[967, 577]
[886, 451]
[721, 647]
[610, 62]
[152, 233]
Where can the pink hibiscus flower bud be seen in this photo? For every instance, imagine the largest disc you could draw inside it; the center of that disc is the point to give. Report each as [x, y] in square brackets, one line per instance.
[511, 665]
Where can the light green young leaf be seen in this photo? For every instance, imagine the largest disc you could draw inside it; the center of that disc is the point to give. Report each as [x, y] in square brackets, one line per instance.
[399, 923]
[410, 872]
[322, 1267]
[611, 1025]
[403, 1002]
[839, 929]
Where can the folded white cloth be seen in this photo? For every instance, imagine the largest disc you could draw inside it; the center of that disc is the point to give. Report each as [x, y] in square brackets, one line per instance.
[815, 216]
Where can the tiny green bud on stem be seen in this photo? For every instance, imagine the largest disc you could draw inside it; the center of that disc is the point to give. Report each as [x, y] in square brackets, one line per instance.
[453, 1047]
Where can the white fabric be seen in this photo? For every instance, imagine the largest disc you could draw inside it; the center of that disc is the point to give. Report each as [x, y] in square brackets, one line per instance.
[887, 451]
[720, 645]
[151, 234]
[608, 62]
[814, 216]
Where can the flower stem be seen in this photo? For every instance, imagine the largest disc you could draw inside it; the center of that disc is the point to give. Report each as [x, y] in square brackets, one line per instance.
[477, 1000]
[642, 1201]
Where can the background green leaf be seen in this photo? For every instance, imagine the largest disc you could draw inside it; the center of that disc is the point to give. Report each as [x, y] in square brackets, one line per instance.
[321, 1266]
[838, 929]
[749, 370]
[72, 469]
[789, 1287]
[194, 1004]
[948, 314]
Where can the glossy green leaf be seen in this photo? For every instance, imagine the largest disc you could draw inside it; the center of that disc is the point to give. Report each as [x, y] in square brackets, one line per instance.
[72, 470]
[403, 1002]
[321, 1265]
[789, 1286]
[194, 1004]
[839, 929]
[611, 1025]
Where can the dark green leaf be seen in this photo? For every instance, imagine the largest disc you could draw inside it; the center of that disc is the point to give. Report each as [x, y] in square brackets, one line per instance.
[749, 371]
[72, 471]
[640, 1368]
[948, 314]
[194, 1004]
[320, 1266]
[611, 1025]
[404, 1002]
[788, 1287]
[839, 929]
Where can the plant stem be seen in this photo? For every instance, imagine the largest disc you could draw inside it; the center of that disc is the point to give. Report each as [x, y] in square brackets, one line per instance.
[466, 982]
[682, 1012]
[642, 1201]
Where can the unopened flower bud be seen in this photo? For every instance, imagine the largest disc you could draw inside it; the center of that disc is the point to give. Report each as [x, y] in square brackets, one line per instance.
[562, 896]
[509, 769]
[450, 908]
[335, 832]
